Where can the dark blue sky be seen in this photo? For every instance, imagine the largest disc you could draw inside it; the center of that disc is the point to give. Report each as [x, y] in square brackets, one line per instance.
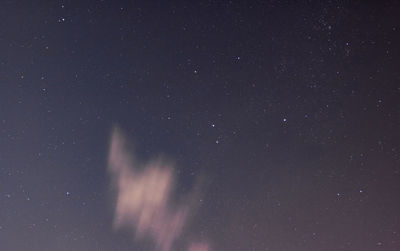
[285, 117]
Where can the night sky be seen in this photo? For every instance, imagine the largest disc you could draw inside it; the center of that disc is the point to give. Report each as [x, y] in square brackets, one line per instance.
[199, 125]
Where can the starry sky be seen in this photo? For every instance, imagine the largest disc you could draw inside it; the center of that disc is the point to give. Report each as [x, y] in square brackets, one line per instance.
[199, 125]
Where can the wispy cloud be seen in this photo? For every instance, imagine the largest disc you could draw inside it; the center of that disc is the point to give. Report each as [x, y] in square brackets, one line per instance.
[143, 200]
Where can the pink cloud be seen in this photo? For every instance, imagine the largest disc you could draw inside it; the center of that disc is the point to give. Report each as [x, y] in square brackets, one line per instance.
[143, 198]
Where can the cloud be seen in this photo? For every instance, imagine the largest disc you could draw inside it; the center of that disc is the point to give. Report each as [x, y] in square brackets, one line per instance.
[143, 200]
